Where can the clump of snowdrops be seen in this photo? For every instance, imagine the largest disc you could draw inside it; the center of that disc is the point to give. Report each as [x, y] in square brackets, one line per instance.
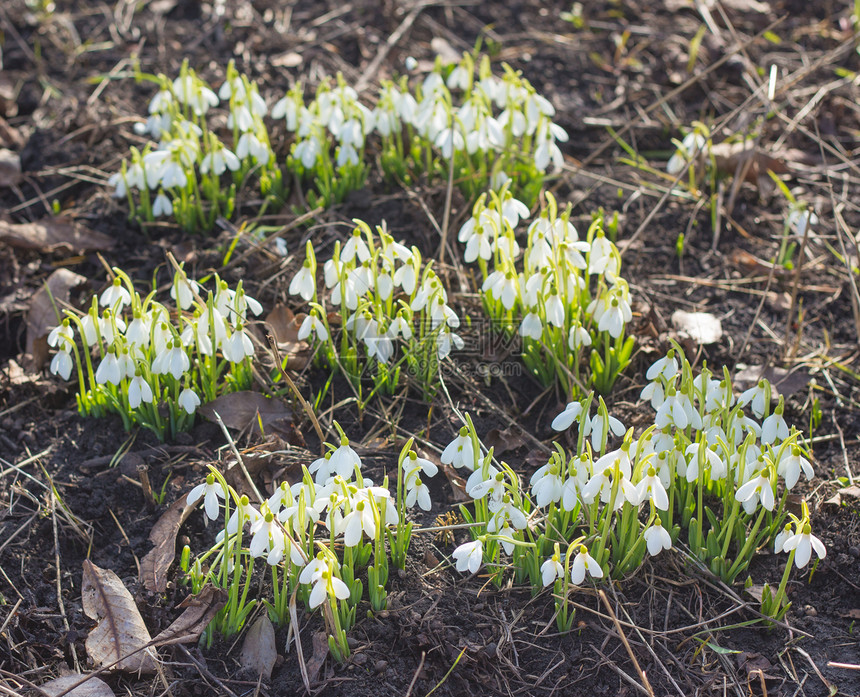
[317, 537]
[391, 312]
[152, 363]
[715, 470]
[564, 296]
[197, 161]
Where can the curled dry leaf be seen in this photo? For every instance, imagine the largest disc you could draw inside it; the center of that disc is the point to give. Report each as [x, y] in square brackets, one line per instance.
[44, 311]
[259, 654]
[744, 157]
[284, 327]
[240, 410]
[10, 168]
[154, 566]
[120, 640]
[701, 327]
[785, 382]
[54, 234]
[504, 440]
[86, 687]
[199, 611]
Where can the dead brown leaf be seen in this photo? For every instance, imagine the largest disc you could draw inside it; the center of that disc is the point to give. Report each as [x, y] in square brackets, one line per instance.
[154, 566]
[785, 382]
[458, 484]
[259, 654]
[282, 322]
[744, 157]
[10, 168]
[701, 327]
[43, 315]
[320, 651]
[239, 410]
[120, 639]
[53, 235]
[199, 611]
[504, 440]
[93, 687]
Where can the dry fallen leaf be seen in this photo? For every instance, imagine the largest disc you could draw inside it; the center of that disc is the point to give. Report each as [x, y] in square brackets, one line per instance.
[65, 686]
[54, 234]
[199, 611]
[240, 410]
[42, 315]
[320, 651]
[120, 639]
[744, 157]
[785, 382]
[154, 566]
[701, 327]
[10, 168]
[283, 324]
[259, 654]
[503, 440]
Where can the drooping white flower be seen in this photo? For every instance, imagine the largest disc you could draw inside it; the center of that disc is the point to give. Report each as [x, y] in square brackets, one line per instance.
[303, 283]
[657, 538]
[312, 324]
[116, 297]
[804, 542]
[188, 400]
[210, 491]
[550, 570]
[459, 452]
[584, 563]
[469, 556]
[565, 419]
[344, 460]
[756, 489]
[139, 391]
[109, 370]
[693, 144]
[62, 363]
[791, 464]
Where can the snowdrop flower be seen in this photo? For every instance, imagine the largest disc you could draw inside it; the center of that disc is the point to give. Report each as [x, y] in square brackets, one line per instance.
[325, 583]
[116, 297]
[547, 484]
[417, 492]
[781, 537]
[531, 326]
[650, 487]
[565, 419]
[139, 391]
[804, 543]
[109, 370]
[190, 90]
[171, 360]
[303, 283]
[657, 538]
[62, 363]
[584, 563]
[267, 537]
[62, 335]
[445, 341]
[757, 489]
[188, 400]
[210, 491]
[600, 256]
[219, 160]
[243, 510]
[459, 452]
[666, 366]
[774, 426]
[312, 324]
[719, 469]
[790, 465]
[183, 290]
[238, 347]
[358, 520]
[162, 206]
[469, 556]
[599, 432]
[578, 337]
[758, 396]
[551, 570]
[653, 392]
[798, 220]
[693, 144]
[344, 460]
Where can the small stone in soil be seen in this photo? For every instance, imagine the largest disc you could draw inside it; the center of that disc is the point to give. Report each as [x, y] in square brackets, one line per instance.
[380, 666]
[810, 611]
[854, 552]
